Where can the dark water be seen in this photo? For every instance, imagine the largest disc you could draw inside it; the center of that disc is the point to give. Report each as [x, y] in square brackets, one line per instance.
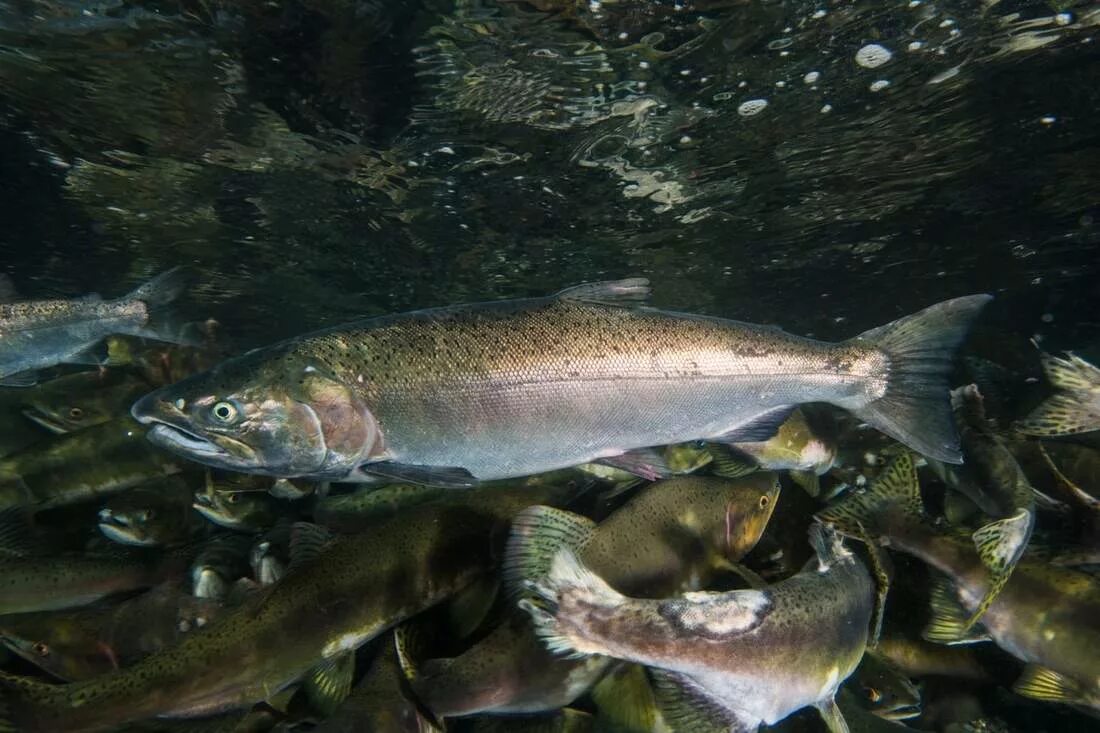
[318, 160]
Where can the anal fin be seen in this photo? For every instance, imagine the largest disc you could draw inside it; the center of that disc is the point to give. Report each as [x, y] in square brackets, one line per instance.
[1043, 683]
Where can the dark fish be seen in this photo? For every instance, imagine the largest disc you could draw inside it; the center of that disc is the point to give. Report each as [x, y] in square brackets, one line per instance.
[671, 536]
[722, 661]
[339, 594]
[1046, 616]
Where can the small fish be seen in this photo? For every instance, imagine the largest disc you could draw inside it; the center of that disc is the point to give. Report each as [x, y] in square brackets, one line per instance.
[453, 396]
[39, 334]
[1075, 405]
[78, 401]
[1046, 616]
[153, 515]
[994, 481]
[670, 536]
[34, 579]
[883, 689]
[86, 643]
[722, 661]
[339, 594]
[88, 464]
[248, 509]
[920, 658]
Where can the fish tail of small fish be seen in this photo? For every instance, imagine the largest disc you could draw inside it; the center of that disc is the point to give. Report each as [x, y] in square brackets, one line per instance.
[893, 496]
[920, 349]
[159, 295]
[1073, 407]
[560, 602]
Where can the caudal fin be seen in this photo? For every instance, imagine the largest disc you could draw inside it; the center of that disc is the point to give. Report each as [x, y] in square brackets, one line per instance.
[920, 349]
[159, 294]
[1075, 405]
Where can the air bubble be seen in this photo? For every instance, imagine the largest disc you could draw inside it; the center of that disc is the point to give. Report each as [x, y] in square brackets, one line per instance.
[873, 56]
[1063, 18]
[878, 86]
[811, 77]
[751, 107]
[826, 109]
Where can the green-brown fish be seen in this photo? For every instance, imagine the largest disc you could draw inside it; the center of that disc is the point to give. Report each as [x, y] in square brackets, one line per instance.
[671, 536]
[451, 396]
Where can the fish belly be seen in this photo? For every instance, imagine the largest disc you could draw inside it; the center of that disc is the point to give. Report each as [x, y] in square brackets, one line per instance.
[515, 430]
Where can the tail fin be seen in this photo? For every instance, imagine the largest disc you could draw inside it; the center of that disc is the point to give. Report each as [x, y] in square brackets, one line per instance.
[162, 289]
[1074, 407]
[158, 295]
[861, 512]
[570, 582]
[538, 532]
[920, 349]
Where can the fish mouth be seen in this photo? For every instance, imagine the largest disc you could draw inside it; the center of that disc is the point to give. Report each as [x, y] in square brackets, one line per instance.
[45, 420]
[184, 441]
[119, 529]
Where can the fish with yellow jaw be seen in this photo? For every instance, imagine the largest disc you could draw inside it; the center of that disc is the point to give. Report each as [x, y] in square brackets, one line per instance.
[728, 661]
[671, 536]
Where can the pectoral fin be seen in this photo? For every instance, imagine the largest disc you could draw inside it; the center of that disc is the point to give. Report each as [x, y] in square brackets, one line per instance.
[647, 463]
[686, 707]
[831, 715]
[22, 379]
[307, 542]
[446, 476]
[948, 622]
[329, 683]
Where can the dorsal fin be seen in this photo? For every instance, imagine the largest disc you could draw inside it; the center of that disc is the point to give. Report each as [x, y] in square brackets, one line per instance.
[631, 291]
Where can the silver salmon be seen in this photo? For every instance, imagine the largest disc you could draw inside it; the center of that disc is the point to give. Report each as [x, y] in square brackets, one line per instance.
[452, 396]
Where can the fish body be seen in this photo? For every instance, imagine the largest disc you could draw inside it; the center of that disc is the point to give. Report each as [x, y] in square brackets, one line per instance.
[1044, 615]
[738, 659]
[453, 395]
[340, 594]
[37, 583]
[78, 401]
[91, 463]
[39, 334]
[85, 643]
[669, 537]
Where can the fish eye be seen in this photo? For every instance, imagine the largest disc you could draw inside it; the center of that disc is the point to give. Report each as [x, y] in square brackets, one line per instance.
[873, 695]
[76, 413]
[233, 498]
[224, 412]
[146, 514]
[699, 444]
[41, 648]
[764, 501]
